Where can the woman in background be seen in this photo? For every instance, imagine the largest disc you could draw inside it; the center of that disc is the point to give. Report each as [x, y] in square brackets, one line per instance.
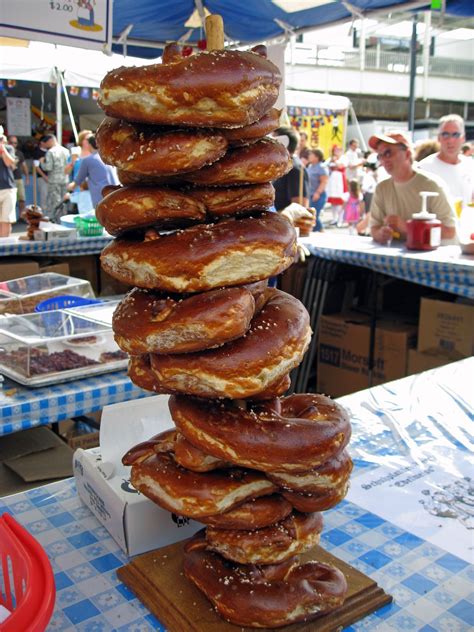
[337, 186]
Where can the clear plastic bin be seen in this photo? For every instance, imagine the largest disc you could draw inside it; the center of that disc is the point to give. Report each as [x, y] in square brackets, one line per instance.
[20, 296]
[56, 346]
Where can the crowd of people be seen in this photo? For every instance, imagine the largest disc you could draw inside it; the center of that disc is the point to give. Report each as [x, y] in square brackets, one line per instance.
[68, 180]
[372, 192]
[376, 192]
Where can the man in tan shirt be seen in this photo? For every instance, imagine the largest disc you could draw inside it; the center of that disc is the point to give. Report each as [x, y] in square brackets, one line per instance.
[397, 198]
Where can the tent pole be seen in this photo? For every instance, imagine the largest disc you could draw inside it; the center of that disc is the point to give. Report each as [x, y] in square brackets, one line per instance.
[59, 108]
[412, 98]
[359, 131]
[69, 108]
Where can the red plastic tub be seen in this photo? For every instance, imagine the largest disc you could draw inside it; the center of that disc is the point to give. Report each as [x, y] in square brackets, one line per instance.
[27, 586]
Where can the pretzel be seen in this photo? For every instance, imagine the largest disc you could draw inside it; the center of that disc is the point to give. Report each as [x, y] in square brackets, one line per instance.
[330, 476]
[128, 208]
[256, 513]
[263, 596]
[270, 545]
[251, 133]
[309, 430]
[260, 162]
[146, 321]
[204, 257]
[149, 151]
[274, 344]
[222, 201]
[195, 494]
[210, 89]
[136, 207]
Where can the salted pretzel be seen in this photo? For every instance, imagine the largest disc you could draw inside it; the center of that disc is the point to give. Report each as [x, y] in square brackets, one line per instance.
[275, 343]
[251, 133]
[194, 494]
[308, 431]
[260, 162]
[204, 257]
[146, 321]
[256, 513]
[221, 88]
[270, 545]
[129, 208]
[151, 151]
[263, 596]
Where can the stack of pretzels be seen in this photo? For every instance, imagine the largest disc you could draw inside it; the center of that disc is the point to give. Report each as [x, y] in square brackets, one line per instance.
[195, 238]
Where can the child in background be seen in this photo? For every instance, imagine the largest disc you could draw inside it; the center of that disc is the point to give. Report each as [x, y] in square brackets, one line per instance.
[354, 207]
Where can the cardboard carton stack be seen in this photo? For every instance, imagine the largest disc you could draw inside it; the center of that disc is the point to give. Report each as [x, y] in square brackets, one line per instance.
[445, 334]
[343, 351]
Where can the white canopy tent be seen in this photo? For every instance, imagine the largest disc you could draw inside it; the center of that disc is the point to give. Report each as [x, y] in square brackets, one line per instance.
[61, 65]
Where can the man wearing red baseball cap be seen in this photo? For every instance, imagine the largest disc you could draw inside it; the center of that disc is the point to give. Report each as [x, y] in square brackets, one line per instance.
[397, 198]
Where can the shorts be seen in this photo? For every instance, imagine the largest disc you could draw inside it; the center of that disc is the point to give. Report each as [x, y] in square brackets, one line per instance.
[8, 206]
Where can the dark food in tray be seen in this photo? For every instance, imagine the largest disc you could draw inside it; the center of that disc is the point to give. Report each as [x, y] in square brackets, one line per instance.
[113, 356]
[41, 362]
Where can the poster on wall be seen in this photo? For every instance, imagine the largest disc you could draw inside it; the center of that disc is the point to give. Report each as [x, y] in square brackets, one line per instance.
[83, 23]
[18, 116]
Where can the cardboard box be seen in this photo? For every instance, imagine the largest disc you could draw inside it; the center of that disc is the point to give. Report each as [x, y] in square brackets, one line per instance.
[86, 267]
[103, 483]
[48, 231]
[446, 327]
[59, 268]
[80, 434]
[419, 361]
[343, 352]
[32, 457]
[17, 268]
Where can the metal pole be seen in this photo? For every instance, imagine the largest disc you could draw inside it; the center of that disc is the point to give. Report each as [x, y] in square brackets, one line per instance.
[59, 108]
[426, 54]
[412, 99]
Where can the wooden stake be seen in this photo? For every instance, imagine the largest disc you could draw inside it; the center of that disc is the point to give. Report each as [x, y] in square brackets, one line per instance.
[301, 182]
[33, 174]
[214, 32]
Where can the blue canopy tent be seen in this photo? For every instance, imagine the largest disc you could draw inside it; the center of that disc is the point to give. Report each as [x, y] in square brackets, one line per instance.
[143, 26]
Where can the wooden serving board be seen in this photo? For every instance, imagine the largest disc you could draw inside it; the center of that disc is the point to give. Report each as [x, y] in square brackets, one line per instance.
[158, 580]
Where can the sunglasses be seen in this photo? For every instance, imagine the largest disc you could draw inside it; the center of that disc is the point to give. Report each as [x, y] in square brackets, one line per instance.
[388, 153]
[450, 134]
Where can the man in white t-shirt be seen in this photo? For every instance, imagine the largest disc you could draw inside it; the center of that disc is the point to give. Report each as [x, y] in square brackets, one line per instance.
[397, 198]
[448, 163]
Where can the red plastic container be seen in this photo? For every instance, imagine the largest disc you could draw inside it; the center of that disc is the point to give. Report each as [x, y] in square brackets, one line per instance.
[27, 586]
[423, 232]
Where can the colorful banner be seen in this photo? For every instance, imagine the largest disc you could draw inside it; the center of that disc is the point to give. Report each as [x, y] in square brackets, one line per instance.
[83, 23]
[324, 128]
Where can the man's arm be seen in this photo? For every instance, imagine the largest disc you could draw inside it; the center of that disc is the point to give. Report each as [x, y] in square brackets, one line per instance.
[379, 231]
[81, 176]
[7, 158]
[25, 171]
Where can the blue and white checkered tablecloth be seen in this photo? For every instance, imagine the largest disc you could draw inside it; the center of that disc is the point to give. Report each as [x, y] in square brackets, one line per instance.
[431, 586]
[432, 589]
[445, 269]
[29, 407]
[80, 246]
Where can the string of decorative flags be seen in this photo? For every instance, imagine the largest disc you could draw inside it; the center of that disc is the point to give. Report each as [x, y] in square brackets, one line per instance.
[84, 93]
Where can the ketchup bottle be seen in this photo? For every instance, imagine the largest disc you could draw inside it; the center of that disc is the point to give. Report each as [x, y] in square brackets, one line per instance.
[424, 229]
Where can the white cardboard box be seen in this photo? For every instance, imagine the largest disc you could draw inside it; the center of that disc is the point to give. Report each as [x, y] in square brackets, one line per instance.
[48, 231]
[103, 483]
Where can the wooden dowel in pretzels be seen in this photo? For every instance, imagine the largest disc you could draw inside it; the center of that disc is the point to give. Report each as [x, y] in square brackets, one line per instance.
[214, 32]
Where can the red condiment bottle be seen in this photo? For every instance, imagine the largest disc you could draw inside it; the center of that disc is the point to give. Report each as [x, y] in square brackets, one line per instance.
[424, 229]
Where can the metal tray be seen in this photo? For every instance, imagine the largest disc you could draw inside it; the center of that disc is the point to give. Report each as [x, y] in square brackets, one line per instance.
[63, 376]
